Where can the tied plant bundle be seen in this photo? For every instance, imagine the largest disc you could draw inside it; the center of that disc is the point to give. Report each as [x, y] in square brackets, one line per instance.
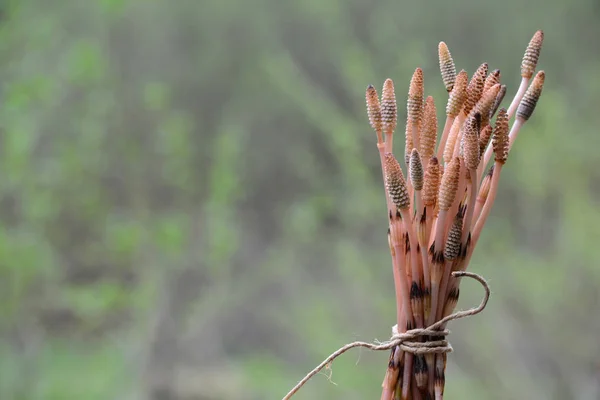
[438, 205]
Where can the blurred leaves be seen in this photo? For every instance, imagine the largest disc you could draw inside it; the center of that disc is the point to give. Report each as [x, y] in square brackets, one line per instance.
[192, 204]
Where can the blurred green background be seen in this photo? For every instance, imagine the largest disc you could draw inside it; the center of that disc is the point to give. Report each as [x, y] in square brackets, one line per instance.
[191, 205]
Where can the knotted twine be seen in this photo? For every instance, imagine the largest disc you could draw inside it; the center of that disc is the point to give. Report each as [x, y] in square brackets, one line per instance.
[406, 340]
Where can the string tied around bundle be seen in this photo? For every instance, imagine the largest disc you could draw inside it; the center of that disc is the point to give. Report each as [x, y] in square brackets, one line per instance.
[434, 336]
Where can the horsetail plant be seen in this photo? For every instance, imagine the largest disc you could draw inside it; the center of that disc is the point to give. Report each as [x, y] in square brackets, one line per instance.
[449, 211]
[437, 209]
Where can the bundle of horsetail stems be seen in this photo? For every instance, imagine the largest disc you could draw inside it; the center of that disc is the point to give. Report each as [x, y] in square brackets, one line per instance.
[437, 208]
[439, 205]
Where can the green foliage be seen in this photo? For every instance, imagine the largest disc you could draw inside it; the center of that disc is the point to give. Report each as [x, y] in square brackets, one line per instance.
[191, 190]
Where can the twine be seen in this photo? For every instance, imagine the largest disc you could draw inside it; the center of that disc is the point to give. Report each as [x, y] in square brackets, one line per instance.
[406, 340]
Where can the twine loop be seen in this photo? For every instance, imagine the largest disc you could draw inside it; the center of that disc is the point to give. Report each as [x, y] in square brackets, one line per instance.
[406, 340]
[431, 343]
